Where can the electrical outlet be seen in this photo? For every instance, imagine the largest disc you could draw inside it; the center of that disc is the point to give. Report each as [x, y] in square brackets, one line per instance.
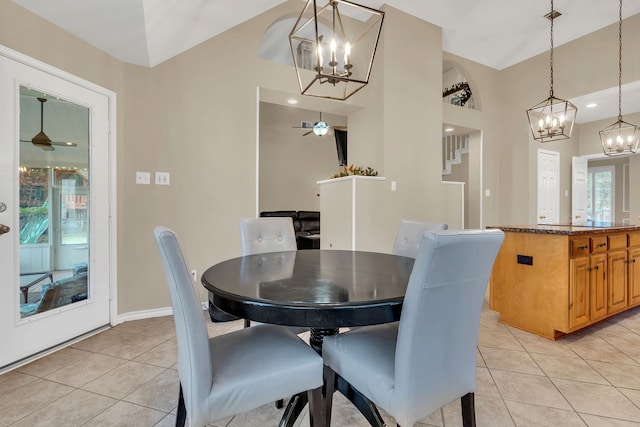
[194, 275]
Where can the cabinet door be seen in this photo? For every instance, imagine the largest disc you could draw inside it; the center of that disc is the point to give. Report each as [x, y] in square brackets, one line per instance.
[617, 280]
[579, 292]
[598, 286]
[633, 276]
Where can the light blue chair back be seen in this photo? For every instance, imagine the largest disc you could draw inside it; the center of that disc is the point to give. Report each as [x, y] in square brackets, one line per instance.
[438, 333]
[409, 236]
[194, 357]
[269, 234]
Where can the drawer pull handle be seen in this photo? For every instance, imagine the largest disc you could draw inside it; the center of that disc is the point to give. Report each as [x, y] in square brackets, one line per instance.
[583, 247]
[601, 245]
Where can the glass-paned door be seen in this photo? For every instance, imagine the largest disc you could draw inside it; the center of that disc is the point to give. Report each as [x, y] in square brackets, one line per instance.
[54, 183]
[601, 194]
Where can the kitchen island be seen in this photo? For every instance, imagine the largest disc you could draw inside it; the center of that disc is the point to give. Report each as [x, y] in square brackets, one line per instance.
[553, 280]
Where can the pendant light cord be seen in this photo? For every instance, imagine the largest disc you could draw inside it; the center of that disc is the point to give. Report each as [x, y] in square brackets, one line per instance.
[620, 64]
[551, 51]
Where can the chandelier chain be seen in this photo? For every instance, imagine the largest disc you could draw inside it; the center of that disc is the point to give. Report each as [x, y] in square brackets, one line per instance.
[551, 52]
[620, 63]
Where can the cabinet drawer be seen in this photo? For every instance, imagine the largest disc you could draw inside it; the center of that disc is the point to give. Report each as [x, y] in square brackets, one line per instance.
[598, 244]
[634, 239]
[579, 247]
[617, 241]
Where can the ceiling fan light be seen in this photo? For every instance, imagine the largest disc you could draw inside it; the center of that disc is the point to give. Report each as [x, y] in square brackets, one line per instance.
[320, 128]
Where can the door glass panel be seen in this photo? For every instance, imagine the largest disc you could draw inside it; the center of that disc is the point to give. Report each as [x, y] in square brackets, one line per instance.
[600, 194]
[54, 202]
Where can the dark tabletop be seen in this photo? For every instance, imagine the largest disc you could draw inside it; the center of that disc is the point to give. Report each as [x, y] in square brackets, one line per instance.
[313, 288]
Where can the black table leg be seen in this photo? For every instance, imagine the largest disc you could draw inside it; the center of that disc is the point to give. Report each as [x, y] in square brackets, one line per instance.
[298, 402]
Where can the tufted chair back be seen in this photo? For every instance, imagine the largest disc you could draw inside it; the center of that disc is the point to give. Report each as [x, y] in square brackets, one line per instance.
[262, 235]
[409, 236]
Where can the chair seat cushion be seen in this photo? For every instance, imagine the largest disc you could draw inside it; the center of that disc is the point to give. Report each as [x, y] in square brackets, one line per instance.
[283, 366]
[365, 358]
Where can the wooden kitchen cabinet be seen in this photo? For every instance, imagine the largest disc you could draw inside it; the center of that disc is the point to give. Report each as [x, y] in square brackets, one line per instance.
[555, 280]
[633, 274]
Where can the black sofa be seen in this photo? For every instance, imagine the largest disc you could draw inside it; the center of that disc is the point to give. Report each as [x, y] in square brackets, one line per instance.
[305, 223]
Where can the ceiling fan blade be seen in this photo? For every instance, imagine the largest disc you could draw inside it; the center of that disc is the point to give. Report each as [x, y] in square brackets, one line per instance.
[64, 144]
[307, 133]
[339, 127]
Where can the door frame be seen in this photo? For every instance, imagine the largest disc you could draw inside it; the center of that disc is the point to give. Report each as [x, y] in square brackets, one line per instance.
[556, 157]
[37, 65]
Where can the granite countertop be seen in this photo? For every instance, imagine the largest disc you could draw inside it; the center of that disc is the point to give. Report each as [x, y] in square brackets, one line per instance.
[593, 228]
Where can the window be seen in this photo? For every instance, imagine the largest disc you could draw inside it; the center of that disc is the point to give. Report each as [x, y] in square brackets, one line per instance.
[601, 194]
[34, 205]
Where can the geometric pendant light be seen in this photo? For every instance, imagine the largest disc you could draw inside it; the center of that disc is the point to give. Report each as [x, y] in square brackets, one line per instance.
[333, 44]
[553, 118]
[620, 137]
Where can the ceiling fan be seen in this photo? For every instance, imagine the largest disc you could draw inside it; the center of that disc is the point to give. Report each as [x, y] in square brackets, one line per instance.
[319, 128]
[41, 140]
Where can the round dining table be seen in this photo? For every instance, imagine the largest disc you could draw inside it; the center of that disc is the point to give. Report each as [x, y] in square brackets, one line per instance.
[323, 290]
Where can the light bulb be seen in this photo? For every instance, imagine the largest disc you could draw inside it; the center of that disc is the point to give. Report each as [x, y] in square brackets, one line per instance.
[347, 53]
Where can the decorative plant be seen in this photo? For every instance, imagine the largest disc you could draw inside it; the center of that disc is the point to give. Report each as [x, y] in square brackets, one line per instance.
[356, 170]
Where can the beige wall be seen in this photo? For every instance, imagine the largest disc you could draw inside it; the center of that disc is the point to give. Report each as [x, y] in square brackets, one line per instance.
[580, 67]
[195, 116]
[290, 163]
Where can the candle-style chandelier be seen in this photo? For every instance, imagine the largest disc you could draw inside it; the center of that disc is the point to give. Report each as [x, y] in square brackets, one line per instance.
[333, 47]
[620, 137]
[553, 118]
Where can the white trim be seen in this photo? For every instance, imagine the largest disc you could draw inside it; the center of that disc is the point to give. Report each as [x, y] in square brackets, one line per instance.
[346, 178]
[353, 214]
[144, 314]
[481, 178]
[625, 183]
[257, 151]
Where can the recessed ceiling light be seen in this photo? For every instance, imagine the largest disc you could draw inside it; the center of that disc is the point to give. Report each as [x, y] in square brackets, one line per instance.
[591, 105]
[449, 129]
[292, 101]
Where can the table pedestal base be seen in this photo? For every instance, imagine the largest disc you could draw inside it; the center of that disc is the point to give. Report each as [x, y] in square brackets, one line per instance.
[299, 401]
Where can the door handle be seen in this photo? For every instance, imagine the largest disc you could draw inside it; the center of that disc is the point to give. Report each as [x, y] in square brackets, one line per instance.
[4, 229]
[542, 217]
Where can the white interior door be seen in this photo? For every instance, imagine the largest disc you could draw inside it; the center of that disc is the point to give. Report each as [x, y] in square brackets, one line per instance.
[548, 187]
[43, 304]
[579, 170]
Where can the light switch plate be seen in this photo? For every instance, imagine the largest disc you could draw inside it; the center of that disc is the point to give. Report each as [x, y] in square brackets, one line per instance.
[163, 178]
[143, 178]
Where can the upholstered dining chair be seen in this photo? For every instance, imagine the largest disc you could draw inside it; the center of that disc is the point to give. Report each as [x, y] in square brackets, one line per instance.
[413, 367]
[409, 236]
[238, 371]
[260, 235]
[268, 234]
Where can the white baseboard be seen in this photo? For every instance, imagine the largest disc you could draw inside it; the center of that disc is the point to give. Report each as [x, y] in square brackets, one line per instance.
[147, 314]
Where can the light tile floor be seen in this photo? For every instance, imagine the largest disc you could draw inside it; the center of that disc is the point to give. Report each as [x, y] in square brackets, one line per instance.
[127, 376]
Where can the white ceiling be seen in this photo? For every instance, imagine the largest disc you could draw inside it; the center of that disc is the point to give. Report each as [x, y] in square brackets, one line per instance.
[496, 33]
